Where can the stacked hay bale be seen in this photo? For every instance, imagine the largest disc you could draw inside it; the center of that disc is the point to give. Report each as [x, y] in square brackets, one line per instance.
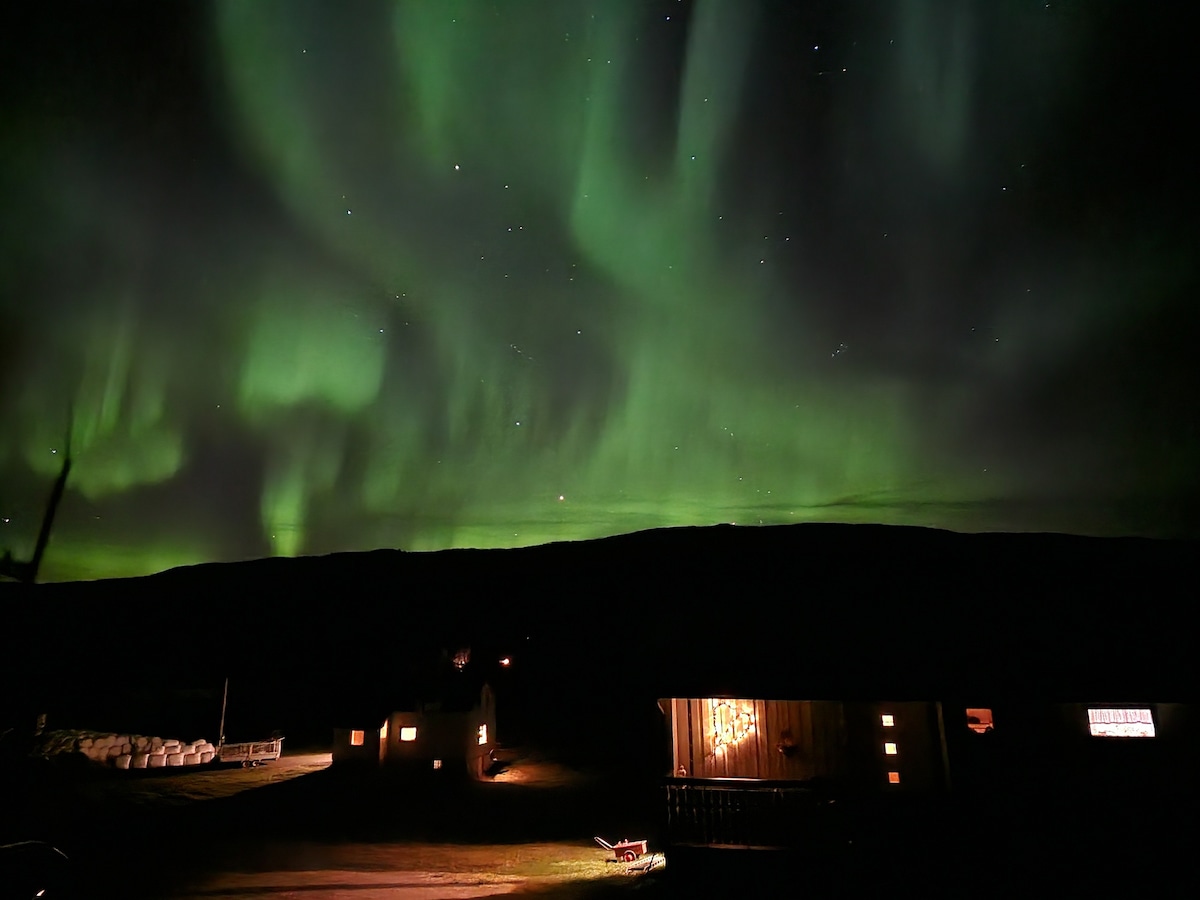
[127, 751]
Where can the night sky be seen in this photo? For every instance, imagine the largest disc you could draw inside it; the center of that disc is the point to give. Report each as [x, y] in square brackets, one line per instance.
[302, 277]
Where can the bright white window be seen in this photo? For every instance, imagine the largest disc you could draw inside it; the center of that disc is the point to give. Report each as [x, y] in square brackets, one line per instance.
[437, 763]
[888, 720]
[383, 731]
[356, 738]
[1120, 722]
[889, 748]
[408, 732]
[893, 777]
[483, 734]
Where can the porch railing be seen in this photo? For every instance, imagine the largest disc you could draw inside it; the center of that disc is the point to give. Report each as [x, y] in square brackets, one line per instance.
[747, 813]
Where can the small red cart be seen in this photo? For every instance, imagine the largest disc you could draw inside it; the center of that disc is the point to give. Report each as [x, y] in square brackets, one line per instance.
[624, 850]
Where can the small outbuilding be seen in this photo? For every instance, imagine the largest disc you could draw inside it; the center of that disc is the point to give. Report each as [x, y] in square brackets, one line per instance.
[444, 725]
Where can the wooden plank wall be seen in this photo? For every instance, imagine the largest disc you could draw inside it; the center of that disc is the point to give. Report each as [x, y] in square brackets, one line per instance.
[792, 740]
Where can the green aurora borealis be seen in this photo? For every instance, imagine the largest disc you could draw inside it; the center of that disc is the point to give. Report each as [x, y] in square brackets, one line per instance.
[469, 274]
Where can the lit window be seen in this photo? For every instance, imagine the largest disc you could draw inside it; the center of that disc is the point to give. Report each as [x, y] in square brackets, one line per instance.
[889, 748]
[437, 763]
[888, 720]
[408, 733]
[1119, 722]
[356, 738]
[979, 720]
[383, 731]
[893, 777]
[483, 734]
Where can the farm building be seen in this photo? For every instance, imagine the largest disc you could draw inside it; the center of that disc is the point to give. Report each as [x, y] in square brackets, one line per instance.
[1061, 738]
[448, 725]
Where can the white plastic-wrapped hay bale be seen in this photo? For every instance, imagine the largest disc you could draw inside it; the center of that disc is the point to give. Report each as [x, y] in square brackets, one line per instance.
[191, 759]
[206, 756]
[85, 744]
[114, 750]
[172, 746]
[205, 747]
[127, 748]
[174, 759]
[160, 750]
[141, 743]
[121, 739]
[156, 742]
[140, 760]
[185, 749]
[123, 761]
[156, 762]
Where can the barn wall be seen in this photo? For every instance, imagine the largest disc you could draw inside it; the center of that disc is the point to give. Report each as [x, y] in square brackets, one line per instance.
[790, 740]
[915, 731]
[479, 755]
[448, 736]
[366, 754]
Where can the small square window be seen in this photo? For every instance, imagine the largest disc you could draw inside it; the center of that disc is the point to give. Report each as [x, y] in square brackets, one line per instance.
[893, 777]
[437, 763]
[888, 720]
[979, 720]
[356, 738]
[889, 748]
[408, 733]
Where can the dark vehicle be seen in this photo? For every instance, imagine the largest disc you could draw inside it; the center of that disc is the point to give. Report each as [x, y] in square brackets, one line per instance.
[32, 869]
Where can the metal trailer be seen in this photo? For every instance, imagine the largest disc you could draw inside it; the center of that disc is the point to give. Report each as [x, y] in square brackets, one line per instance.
[252, 753]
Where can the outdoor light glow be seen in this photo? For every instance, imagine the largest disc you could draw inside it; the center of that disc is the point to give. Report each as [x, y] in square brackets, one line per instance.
[1120, 722]
[505, 661]
[732, 721]
[408, 733]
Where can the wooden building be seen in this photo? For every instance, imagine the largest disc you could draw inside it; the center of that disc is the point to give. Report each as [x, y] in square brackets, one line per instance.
[444, 725]
[824, 778]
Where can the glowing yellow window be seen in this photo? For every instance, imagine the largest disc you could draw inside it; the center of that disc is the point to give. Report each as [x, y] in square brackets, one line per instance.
[383, 731]
[356, 738]
[408, 732]
[437, 763]
[483, 734]
[889, 748]
[888, 720]
[893, 777]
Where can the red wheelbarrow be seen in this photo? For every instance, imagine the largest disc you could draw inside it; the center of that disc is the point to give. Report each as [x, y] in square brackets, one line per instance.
[624, 850]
